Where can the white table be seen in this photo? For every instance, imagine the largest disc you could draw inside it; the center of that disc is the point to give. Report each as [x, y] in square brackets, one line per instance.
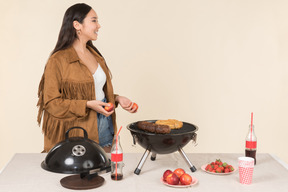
[24, 173]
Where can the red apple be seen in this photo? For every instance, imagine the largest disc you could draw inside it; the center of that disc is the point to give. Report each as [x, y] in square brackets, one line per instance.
[135, 106]
[172, 179]
[109, 108]
[185, 179]
[166, 173]
[179, 172]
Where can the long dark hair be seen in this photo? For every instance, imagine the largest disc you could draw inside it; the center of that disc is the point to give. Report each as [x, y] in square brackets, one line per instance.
[67, 33]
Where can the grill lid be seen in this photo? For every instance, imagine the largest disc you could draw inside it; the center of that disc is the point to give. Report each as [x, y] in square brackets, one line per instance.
[76, 155]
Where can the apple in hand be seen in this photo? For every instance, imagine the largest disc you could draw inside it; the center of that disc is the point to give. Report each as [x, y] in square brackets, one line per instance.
[185, 179]
[179, 172]
[166, 173]
[135, 106]
[109, 108]
[172, 179]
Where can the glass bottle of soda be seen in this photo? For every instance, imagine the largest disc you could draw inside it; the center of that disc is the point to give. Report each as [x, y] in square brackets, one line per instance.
[251, 144]
[116, 160]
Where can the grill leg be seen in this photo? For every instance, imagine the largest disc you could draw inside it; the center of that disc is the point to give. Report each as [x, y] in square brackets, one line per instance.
[192, 167]
[153, 156]
[142, 161]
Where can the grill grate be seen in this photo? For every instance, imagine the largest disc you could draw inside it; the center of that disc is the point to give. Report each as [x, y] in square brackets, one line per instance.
[187, 128]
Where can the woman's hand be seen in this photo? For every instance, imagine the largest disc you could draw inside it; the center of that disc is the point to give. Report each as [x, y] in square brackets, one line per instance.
[98, 106]
[126, 104]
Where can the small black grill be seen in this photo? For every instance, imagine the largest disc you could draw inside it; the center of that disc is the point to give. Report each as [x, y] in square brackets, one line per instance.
[163, 143]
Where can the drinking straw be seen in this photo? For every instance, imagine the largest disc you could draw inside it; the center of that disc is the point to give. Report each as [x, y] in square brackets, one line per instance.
[117, 152]
[251, 126]
[119, 131]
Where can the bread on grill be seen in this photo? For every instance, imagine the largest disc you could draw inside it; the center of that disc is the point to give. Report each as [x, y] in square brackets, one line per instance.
[172, 123]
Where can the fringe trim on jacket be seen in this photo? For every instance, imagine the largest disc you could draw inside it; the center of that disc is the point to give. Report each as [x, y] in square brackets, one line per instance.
[40, 103]
[77, 91]
[55, 128]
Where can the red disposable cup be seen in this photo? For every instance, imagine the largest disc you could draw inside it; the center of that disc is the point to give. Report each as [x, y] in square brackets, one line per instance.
[246, 167]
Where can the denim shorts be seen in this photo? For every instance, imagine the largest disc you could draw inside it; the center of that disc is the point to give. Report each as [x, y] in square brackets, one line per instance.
[105, 129]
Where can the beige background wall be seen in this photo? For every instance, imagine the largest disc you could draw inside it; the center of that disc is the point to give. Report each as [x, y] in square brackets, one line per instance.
[208, 62]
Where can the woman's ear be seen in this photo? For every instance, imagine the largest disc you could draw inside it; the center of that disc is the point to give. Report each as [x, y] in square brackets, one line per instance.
[76, 25]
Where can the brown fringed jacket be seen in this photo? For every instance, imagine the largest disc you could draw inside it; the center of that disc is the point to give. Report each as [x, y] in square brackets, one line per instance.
[64, 90]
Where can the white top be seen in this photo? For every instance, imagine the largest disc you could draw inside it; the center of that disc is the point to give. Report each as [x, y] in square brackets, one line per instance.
[99, 81]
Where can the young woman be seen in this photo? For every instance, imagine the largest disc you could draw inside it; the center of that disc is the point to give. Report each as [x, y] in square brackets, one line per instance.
[76, 84]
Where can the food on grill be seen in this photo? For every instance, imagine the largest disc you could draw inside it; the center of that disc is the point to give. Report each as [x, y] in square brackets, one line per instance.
[153, 128]
[162, 129]
[172, 123]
